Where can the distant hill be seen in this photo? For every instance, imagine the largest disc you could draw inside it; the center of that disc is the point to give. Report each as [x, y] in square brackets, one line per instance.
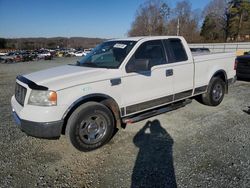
[37, 43]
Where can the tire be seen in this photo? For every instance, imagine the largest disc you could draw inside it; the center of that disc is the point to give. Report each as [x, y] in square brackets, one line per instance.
[215, 92]
[90, 126]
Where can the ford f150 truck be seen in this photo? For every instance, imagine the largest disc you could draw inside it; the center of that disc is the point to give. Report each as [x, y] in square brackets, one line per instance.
[121, 81]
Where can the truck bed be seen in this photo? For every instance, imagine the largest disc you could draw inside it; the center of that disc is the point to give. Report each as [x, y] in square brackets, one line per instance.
[198, 57]
[206, 64]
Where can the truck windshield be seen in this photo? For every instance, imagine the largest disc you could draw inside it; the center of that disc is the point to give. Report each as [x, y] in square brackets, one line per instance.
[109, 54]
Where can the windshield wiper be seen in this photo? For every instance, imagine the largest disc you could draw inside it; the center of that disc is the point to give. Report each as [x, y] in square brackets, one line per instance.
[88, 64]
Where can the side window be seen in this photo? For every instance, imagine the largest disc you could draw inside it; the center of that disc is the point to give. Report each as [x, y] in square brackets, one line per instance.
[150, 50]
[175, 50]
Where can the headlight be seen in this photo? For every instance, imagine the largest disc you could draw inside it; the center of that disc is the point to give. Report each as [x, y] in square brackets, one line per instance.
[43, 98]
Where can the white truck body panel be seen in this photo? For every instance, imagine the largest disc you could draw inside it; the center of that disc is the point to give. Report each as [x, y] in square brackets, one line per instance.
[207, 65]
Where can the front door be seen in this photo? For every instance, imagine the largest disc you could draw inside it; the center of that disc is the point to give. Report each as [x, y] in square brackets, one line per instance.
[147, 89]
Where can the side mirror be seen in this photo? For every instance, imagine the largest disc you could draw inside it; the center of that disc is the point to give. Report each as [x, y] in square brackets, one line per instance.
[141, 65]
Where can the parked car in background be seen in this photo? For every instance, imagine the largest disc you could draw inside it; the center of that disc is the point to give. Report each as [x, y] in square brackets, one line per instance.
[14, 57]
[80, 53]
[69, 54]
[28, 56]
[3, 53]
[86, 51]
[44, 54]
[17, 56]
[59, 53]
[243, 66]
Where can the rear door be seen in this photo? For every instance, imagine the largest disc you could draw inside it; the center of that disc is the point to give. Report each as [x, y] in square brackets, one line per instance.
[182, 67]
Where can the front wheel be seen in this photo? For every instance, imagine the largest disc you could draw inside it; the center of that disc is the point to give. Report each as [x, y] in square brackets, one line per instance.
[215, 92]
[90, 126]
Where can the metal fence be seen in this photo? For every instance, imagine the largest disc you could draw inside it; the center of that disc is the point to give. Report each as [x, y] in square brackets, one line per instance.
[223, 47]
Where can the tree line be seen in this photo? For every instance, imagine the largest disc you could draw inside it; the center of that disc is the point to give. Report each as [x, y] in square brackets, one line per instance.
[51, 43]
[220, 21]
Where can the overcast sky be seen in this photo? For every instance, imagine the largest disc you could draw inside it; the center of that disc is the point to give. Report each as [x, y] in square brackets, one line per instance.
[69, 18]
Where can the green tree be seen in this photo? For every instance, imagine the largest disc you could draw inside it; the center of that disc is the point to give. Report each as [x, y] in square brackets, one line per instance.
[238, 15]
[215, 23]
[208, 29]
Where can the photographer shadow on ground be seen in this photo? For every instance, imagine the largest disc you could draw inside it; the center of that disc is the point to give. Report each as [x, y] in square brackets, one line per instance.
[247, 110]
[154, 164]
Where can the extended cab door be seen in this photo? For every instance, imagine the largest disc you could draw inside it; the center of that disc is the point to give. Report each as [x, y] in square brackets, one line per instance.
[147, 89]
[181, 63]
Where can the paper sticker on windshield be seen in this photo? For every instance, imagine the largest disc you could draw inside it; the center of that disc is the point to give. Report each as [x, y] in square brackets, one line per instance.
[117, 45]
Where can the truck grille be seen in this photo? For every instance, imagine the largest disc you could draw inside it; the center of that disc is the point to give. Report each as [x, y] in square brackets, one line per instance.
[20, 93]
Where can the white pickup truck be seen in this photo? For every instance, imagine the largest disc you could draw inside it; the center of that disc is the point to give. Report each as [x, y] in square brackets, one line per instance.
[121, 81]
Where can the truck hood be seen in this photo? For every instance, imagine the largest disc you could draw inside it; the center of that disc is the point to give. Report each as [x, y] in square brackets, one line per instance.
[68, 76]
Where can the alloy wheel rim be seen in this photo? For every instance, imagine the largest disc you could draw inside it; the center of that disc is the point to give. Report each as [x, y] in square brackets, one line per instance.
[217, 92]
[93, 129]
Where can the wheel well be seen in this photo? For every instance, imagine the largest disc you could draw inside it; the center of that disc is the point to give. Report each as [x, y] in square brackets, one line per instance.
[106, 100]
[222, 74]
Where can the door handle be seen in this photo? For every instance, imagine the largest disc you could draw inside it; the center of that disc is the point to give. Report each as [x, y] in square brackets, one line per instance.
[169, 72]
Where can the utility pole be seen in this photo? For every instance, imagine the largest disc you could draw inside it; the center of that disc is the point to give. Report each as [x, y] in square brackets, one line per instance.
[178, 27]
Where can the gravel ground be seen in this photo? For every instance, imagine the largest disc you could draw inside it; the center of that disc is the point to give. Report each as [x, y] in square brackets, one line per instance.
[195, 146]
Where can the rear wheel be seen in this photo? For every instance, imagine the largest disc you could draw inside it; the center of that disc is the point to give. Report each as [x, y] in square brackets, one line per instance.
[215, 92]
[90, 126]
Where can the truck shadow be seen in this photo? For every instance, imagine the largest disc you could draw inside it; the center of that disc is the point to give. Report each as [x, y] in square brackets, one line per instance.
[247, 110]
[154, 164]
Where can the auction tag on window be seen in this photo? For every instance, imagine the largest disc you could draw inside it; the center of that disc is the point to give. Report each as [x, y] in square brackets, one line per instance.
[117, 45]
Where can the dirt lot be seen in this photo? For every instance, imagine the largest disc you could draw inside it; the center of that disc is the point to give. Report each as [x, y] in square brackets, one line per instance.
[195, 146]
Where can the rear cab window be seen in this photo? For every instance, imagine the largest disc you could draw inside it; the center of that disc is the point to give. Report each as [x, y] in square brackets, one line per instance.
[175, 50]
